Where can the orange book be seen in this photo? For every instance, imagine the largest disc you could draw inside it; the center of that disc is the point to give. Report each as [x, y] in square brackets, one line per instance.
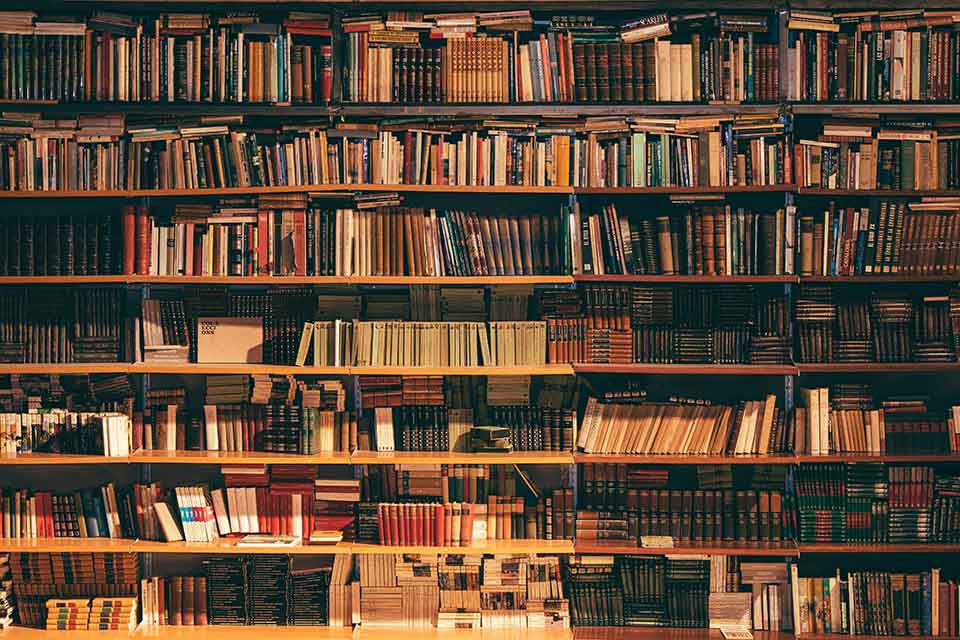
[466, 524]
[438, 521]
[447, 520]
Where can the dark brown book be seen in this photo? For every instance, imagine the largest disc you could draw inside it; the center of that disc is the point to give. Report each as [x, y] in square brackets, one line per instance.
[616, 71]
[590, 71]
[602, 71]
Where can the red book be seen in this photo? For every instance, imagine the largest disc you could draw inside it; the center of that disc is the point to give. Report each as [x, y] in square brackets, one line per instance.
[128, 222]
[407, 157]
[438, 521]
[263, 518]
[263, 236]
[326, 72]
[188, 249]
[381, 523]
[394, 511]
[142, 242]
[415, 524]
[447, 521]
[300, 241]
[425, 527]
[466, 524]
[274, 508]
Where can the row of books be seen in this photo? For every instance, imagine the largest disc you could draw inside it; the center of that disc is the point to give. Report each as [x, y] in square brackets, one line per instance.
[274, 427]
[239, 237]
[683, 426]
[53, 325]
[903, 55]
[72, 244]
[639, 591]
[174, 600]
[682, 324]
[888, 236]
[427, 344]
[104, 153]
[710, 240]
[409, 66]
[864, 154]
[711, 516]
[871, 502]
[874, 326]
[845, 420]
[305, 238]
[171, 57]
[883, 603]
[62, 431]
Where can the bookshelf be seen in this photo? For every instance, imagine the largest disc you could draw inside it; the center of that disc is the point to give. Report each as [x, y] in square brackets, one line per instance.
[781, 379]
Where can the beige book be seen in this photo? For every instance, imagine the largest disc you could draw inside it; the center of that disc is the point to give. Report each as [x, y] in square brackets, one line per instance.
[237, 340]
[769, 413]
[662, 70]
[304, 348]
[168, 525]
[824, 408]
[588, 424]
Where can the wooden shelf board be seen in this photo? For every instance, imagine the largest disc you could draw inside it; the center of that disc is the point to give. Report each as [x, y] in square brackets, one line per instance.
[454, 457]
[868, 193]
[884, 278]
[229, 545]
[849, 547]
[878, 367]
[519, 370]
[666, 633]
[688, 369]
[862, 457]
[425, 188]
[687, 279]
[208, 632]
[445, 457]
[618, 458]
[227, 191]
[896, 108]
[234, 457]
[486, 546]
[26, 459]
[671, 191]
[60, 545]
[786, 549]
[287, 280]
[63, 279]
[65, 369]
[195, 368]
